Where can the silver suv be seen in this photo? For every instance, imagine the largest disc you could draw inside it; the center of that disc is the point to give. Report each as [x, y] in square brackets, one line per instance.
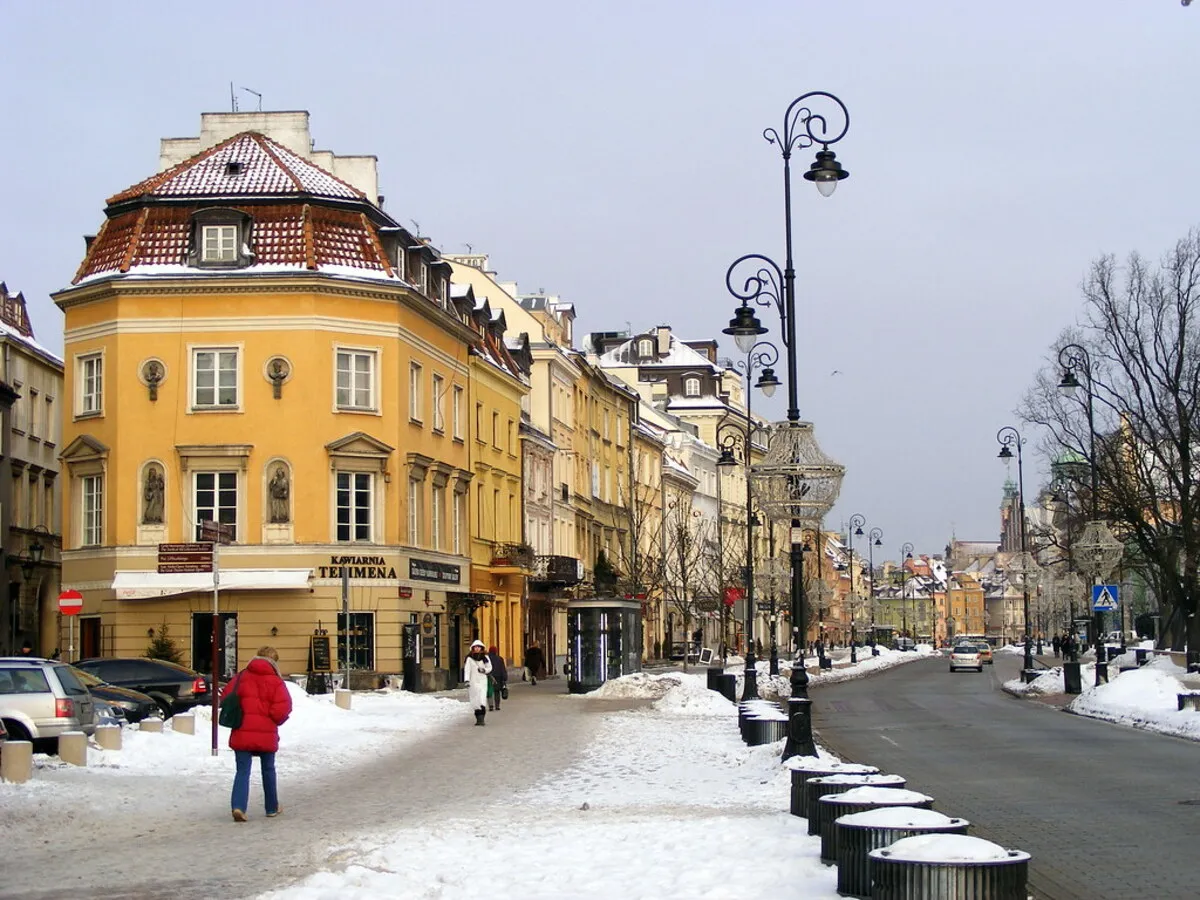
[40, 699]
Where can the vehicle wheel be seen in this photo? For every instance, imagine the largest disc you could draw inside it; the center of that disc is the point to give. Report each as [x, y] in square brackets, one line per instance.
[16, 731]
[164, 706]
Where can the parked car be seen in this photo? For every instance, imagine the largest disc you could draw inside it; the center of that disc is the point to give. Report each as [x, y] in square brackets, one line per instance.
[173, 687]
[107, 714]
[985, 652]
[904, 643]
[3, 732]
[40, 699]
[966, 656]
[132, 706]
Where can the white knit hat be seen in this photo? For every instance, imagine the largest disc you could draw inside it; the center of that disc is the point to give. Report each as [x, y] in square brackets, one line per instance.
[475, 644]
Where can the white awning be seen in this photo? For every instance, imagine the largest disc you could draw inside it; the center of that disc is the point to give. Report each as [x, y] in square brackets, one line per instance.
[142, 585]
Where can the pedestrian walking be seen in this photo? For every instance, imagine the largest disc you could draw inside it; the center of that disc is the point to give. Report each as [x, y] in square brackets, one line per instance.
[535, 661]
[1056, 645]
[475, 673]
[499, 686]
[265, 705]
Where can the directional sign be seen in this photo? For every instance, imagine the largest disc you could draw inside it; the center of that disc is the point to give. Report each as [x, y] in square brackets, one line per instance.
[218, 532]
[1104, 597]
[176, 559]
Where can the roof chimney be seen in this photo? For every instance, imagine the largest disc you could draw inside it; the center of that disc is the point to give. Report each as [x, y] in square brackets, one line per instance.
[664, 339]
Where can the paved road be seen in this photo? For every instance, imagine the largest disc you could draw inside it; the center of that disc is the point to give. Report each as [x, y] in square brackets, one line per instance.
[188, 848]
[1108, 812]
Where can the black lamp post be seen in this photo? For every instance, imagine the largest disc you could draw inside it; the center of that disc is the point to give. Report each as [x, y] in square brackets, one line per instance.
[874, 539]
[1009, 437]
[760, 357]
[906, 553]
[768, 286]
[854, 528]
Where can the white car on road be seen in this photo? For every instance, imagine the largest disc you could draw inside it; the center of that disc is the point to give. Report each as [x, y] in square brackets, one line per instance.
[966, 656]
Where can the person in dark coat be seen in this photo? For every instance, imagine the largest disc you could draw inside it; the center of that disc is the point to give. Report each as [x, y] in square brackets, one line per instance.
[499, 678]
[1057, 645]
[266, 704]
[535, 661]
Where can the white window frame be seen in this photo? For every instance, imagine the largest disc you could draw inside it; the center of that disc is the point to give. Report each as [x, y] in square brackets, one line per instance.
[415, 487]
[457, 523]
[424, 277]
[645, 348]
[691, 387]
[352, 356]
[91, 517]
[438, 389]
[219, 243]
[217, 352]
[198, 517]
[456, 412]
[415, 371]
[90, 393]
[353, 479]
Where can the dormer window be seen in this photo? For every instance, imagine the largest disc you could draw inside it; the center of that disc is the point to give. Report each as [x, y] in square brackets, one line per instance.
[645, 348]
[424, 278]
[220, 239]
[233, 168]
[219, 243]
[691, 387]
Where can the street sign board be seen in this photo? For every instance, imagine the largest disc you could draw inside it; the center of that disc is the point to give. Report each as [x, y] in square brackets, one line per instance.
[70, 603]
[1104, 597]
[174, 559]
[216, 532]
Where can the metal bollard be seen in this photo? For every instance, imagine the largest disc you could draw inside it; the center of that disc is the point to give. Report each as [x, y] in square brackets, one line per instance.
[341, 698]
[16, 761]
[72, 748]
[800, 738]
[108, 737]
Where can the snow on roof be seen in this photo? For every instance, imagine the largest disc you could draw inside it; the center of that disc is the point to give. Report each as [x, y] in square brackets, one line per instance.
[15, 325]
[679, 355]
[247, 164]
[709, 402]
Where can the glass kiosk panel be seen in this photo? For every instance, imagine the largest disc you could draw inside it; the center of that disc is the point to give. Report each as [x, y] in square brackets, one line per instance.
[605, 639]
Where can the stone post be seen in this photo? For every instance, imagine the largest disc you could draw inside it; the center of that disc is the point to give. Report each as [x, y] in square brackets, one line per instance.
[108, 737]
[184, 723]
[16, 761]
[153, 725]
[72, 748]
[342, 698]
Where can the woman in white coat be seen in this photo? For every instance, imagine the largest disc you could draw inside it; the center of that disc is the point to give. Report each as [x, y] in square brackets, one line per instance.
[475, 674]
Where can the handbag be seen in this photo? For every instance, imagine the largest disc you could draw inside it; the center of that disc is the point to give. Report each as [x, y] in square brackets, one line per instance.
[504, 692]
[230, 714]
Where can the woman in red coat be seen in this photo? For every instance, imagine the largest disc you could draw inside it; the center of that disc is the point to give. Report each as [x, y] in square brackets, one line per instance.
[266, 704]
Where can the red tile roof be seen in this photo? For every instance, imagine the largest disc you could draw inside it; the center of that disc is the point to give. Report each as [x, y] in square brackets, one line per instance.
[261, 167]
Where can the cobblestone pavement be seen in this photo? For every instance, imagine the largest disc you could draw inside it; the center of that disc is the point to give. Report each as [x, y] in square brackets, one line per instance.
[1108, 812]
[190, 849]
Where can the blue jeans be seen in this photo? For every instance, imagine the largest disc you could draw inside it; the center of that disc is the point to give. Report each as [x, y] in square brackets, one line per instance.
[241, 781]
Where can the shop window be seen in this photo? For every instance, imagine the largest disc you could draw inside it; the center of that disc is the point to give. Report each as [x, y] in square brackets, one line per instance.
[356, 640]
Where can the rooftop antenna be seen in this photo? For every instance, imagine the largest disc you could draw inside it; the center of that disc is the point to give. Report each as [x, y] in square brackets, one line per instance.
[416, 225]
[256, 94]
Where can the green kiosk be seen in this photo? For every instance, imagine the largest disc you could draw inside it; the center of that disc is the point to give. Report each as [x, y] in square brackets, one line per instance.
[604, 638]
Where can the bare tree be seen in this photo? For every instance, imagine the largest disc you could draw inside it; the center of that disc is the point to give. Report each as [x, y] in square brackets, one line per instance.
[687, 567]
[1141, 329]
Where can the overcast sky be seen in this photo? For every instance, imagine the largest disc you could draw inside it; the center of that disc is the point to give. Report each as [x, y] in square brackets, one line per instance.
[612, 153]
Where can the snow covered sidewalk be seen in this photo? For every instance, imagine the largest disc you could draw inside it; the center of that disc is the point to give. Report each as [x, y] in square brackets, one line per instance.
[665, 801]
[1142, 698]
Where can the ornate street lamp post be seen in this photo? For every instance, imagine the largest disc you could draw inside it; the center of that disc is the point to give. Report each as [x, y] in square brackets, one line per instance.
[854, 528]
[1098, 549]
[906, 553]
[760, 357]
[874, 539]
[1009, 437]
[797, 482]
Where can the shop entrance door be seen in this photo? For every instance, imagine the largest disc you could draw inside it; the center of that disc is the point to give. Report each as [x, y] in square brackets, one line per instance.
[227, 658]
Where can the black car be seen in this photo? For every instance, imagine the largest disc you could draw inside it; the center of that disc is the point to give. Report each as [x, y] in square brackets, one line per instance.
[173, 687]
[134, 705]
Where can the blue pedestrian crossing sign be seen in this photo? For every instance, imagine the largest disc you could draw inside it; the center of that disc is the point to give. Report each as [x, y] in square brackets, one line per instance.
[1104, 597]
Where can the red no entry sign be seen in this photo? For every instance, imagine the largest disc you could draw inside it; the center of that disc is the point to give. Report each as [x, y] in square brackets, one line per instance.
[70, 603]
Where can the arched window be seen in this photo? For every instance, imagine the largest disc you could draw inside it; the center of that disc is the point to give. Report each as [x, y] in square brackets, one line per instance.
[691, 387]
[645, 348]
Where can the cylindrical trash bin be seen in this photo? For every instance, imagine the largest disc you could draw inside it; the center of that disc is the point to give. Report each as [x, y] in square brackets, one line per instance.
[754, 722]
[1141, 654]
[805, 767]
[1072, 679]
[831, 807]
[857, 834]
[727, 686]
[949, 867]
[839, 784]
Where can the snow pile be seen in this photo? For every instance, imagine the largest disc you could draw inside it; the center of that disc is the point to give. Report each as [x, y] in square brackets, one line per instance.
[893, 796]
[638, 686]
[690, 697]
[1143, 698]
[900, 817]
[1051, 682]
[669, 795]
[935, 848]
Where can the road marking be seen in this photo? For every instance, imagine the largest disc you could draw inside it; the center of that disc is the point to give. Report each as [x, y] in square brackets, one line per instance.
[889, 740]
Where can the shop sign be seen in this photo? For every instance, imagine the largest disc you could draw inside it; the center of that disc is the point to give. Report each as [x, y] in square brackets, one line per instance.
[357, 567]
[425, 570]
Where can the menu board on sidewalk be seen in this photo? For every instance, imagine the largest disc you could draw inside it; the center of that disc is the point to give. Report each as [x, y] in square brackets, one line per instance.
[320, 659]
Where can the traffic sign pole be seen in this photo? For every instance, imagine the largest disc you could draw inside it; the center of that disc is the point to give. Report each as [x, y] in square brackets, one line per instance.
[69, 604]
[216, 574]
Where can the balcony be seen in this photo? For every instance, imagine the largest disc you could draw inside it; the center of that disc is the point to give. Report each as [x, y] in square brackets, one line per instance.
[555, 571]
[512, 558]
